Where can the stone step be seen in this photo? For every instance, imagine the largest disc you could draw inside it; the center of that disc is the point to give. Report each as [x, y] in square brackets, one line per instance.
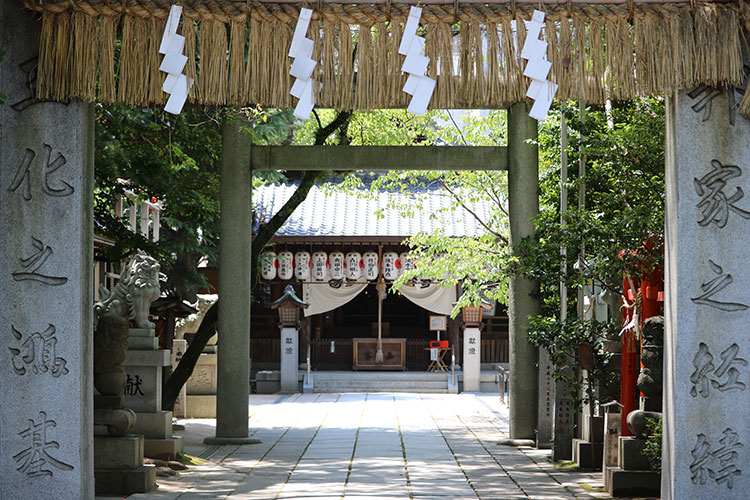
[375, 385]
[382, 376]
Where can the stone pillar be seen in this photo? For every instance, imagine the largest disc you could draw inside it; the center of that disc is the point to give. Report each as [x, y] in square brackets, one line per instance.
[289, 359]
[523, 202]
[234, 287]
[179, 346]
[472, 359]
[546, 401]
[46, 269]
[706, 444]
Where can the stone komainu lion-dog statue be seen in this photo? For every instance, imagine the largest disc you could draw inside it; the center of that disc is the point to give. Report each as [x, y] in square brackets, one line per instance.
[128, 302]
[133, 294]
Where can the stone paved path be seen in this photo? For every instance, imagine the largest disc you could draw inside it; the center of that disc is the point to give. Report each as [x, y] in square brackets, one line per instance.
[372, 446]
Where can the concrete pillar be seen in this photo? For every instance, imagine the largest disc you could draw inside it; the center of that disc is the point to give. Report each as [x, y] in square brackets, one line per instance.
[233, 378]
[289, 359]
[546, 401]
[706, 441]
[472, 359]
[46, 263]
[523, 201]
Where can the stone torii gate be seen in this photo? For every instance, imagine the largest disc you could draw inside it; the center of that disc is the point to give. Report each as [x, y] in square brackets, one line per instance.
[61, 59]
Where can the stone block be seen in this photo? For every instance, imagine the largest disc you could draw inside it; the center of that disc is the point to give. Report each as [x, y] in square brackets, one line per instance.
[143, 344]
[204, 377]
[143, 389]
[626, 483]
[593, 429]
[588, 455]
[165, 449]
[202, 406]
[125, 482]
[147, 358]
[118, 452]
[156, 425]
[630, 455]
[141, 332]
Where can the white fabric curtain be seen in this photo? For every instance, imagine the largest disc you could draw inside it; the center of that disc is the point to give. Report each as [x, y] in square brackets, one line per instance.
[322, 298]
[433, 298]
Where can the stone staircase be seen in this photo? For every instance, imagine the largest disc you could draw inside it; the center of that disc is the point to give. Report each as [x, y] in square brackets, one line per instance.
[435, 382]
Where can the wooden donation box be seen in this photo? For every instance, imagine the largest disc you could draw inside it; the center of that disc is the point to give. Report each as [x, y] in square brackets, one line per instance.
[394, 354]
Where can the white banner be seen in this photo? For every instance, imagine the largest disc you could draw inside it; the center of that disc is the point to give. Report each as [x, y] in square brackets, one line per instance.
[323, 298]
[433, 298]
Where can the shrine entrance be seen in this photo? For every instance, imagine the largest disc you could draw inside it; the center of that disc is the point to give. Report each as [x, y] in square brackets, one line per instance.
[60, 57]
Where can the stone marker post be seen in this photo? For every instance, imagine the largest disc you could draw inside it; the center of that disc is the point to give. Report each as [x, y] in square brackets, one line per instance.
[46, 265]
[472, 358]
[289, 359]
[546, 401]
[523, 204]
[706, 444]
[179, 346]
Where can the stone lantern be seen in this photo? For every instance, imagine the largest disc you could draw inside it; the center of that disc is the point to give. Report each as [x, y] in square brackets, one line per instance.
[289, 306]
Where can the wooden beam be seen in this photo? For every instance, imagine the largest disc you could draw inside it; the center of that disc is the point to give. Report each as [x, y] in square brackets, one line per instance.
[379, 158]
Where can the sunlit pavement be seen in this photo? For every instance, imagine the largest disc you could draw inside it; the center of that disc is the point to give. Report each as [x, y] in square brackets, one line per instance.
[372, 446]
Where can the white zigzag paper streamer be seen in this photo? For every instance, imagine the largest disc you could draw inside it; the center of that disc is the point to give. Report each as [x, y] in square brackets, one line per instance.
[541, 90]
[303, 66]
[175, 84]
[419, 86]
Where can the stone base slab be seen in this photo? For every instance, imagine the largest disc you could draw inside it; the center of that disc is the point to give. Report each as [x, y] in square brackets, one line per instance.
[153, 425]
[588, 455]
[147, 358]
[143, 344]
[125, 482]
[200, 406]
[123, 453]
[166, 449]
[630, 454]
[141, 332]
[629, 483]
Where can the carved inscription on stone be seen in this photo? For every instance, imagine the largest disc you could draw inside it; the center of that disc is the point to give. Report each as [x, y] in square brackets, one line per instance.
[715, 286]
[37, 353]
[31, 265]
[29, 68]
[22, 179]
[725, 377]
[719, 464]
[133, 386]
[35, 460]
[703, 95]
[714, 205]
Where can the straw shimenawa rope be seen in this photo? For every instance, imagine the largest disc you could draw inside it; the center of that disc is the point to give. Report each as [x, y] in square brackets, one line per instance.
[237, 51]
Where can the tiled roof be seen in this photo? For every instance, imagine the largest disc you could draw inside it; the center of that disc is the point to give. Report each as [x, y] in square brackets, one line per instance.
[337, 214]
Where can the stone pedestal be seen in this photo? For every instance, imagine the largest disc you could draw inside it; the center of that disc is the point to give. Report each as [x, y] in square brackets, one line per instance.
[472, 359]
[289, 359]
[46, 244]
[118, 466]
[200, 401]
[143, 395]
[632, 476]
[588, 451]
[179, 346]
[706, 442]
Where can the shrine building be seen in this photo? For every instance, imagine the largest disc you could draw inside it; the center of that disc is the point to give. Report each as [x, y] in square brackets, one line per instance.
[333, 250]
